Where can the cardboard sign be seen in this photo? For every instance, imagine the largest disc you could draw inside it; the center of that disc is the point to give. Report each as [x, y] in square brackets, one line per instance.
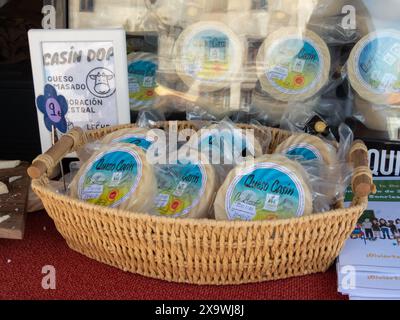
[89, 69]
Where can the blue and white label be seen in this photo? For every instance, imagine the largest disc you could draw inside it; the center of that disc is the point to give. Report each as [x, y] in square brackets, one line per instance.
[180, 188]
[111, 178]
[378, 63]
[137, 139]
[142, 83]
[266, 191]
[303, 151]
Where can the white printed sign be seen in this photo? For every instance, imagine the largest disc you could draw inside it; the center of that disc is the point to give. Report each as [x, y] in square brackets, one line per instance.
[89, 69]
[84, 74]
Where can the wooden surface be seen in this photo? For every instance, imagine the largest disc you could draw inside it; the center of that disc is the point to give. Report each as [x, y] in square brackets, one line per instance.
[14, 203]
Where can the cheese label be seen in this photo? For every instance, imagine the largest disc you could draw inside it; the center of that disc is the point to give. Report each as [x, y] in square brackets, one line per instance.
[139, 140]
[207, 55]
[180, 188]
[378, 64]
[303, 151]
[111, 179]
[294, 65]
[266, 191]
[226, 142]
[142, 83]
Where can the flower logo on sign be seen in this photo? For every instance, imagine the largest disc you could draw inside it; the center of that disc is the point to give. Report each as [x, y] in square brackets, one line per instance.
[54, 108]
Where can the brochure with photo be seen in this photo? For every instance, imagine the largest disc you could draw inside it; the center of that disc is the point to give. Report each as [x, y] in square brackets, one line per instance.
[375, 241]
[369, 265]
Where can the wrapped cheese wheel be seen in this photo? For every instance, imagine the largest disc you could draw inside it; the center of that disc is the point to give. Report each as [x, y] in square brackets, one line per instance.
[273, 110]
[209, 56]
[271, 187]
[377, 117]
[227, 141]
[186, 189]
[307, 147]
[117, 176]
[293, 65]
[374, 67]
[142, 69]
[136, 136]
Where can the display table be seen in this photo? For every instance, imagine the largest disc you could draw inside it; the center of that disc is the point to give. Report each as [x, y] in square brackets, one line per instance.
[78, 277]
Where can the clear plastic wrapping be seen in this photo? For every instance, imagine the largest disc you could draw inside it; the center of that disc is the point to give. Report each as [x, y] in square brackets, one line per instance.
[227, 144]
[257, 59]
[276, 187]
[306, 173]
[186, 187]
[213, 54]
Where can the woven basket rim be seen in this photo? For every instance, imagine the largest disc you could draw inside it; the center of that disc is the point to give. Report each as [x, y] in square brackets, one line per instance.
[210, 222]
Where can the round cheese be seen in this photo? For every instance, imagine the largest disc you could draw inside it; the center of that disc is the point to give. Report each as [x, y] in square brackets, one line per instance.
[271, 187]
[293, 66]
[117, 176]
[186, 189]
[142, 72]
[136, 136]
[229, 143]
[374, 67]
[307, 147]
[273, 110]
[209, 56]
[377, 117]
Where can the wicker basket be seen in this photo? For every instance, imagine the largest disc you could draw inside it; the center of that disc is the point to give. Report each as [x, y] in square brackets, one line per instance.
[200, 251]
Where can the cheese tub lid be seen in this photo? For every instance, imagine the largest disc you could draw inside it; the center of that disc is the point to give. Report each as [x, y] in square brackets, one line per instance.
[374, 67]
[273, 188]
[208, 55]
[293, 66]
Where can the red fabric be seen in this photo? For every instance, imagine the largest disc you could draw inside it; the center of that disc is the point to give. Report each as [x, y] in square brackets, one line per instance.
[78, 277]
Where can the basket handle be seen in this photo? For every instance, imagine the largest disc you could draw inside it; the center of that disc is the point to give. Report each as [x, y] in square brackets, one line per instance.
[362, 182]
[69, 142]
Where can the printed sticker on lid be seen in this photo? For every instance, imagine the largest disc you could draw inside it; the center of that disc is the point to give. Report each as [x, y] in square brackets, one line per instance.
[207, 55]
[111, 178]
[378, 63]
[265, 191]
[142, 82]
[180, 188]
[294, 65]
